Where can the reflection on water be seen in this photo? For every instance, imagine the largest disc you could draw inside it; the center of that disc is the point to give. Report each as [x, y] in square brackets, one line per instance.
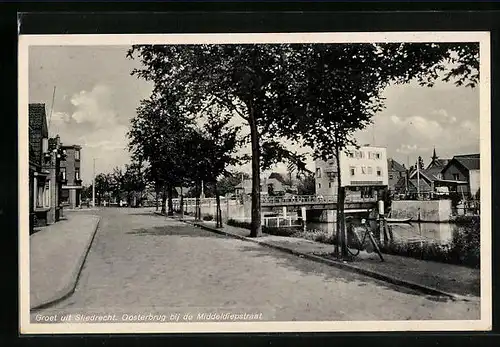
[415, 232]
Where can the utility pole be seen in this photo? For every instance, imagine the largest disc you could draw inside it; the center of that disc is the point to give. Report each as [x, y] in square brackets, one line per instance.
[418, 179]
[93, 185]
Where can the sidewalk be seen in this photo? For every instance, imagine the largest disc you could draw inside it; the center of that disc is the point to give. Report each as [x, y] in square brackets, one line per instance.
[57, 254]
[457, 282]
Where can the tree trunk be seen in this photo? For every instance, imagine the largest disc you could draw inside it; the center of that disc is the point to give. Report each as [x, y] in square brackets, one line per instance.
[157, 193]
[181, 203]
[218, 212]
[170, 205]
[197, 212]
[256, 225]
[164, 200]
[341, 234]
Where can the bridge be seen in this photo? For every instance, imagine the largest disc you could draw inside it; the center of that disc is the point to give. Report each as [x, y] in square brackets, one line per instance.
[313, 202]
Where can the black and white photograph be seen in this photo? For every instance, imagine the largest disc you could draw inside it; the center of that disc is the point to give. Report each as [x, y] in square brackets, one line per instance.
[255, 182]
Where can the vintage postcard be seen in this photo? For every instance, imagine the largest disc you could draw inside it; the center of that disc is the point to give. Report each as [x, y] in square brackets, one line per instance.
[312, 182]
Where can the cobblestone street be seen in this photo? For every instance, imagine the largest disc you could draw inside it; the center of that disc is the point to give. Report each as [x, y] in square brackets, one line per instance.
[142, 263]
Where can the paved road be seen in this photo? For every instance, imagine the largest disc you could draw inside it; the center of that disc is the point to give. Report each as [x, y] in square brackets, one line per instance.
[143, 263]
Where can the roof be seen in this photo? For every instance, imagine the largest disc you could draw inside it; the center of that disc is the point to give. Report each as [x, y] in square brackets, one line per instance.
[277, 176]
[38, 119]
[37, 131]
[433, 172]
[469, 161]
[71, 146]
[395, 166]
[424, 186]
[423, 175]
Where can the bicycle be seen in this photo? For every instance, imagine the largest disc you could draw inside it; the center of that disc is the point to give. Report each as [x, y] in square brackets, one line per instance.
[368, 233]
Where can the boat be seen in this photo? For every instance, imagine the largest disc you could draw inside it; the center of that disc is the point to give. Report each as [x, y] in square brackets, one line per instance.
[389, 219]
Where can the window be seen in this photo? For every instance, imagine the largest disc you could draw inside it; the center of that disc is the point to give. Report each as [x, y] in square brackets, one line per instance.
[350, 154]
[77, 154]
[318, 172]
[77, 174]
[329, 184]
[391, 176]
[45, 145]
[370, 170]
[456, 177]
[47, 194]
[377, 155]
[319, 185]
[353, 170]
[379, 171]
[63, 173]
[363, 170]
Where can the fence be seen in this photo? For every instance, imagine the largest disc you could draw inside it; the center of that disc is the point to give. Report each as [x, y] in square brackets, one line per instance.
[312, 199]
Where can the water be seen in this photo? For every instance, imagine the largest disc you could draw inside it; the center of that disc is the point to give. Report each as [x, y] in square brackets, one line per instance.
[441, 233]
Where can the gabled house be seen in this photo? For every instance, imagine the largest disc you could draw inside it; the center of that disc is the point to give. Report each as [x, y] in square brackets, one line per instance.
[435, 167]
[275, 184]
[396, 172]
[462, 172]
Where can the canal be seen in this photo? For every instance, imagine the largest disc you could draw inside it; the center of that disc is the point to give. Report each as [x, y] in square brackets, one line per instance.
[439, 233]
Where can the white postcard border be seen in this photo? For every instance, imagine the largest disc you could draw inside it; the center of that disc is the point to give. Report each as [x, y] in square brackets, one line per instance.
[484, 324]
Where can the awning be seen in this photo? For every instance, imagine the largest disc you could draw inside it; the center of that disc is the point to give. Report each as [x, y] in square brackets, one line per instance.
[451, 182]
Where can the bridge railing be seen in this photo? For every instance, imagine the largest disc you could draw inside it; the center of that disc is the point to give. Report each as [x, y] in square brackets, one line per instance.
[275, 200]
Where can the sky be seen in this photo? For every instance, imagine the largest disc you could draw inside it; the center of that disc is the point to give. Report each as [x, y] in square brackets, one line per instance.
[96, 97]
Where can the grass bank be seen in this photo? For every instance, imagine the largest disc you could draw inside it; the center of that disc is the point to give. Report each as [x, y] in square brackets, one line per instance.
[464, 249]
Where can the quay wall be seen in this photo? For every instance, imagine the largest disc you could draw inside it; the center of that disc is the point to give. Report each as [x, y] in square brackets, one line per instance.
[424, 211]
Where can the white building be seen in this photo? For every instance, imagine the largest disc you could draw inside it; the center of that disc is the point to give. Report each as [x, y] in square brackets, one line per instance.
[363, 172]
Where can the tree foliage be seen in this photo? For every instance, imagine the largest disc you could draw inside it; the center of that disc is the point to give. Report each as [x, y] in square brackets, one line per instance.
[320, 94]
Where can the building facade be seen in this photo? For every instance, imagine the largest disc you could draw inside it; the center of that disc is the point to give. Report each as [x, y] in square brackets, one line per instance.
[70, 175]
[465, 171]
[396, 171]
[364, 172]
[44, 166]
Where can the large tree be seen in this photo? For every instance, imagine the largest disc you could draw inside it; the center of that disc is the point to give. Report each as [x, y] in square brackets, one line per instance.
[320, 93]
[246, 79]
[220, 144]
[158, 135]
[341, 89]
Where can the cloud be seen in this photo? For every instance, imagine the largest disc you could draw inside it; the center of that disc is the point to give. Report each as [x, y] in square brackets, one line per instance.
[442, 115]
[417, 126]
[94, 106]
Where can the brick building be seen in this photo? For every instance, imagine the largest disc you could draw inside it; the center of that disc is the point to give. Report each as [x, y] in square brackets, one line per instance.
[70, 175]
[44, 159]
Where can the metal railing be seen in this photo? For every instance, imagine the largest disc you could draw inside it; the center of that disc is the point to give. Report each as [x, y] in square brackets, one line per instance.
[277, 200]
[311, 199]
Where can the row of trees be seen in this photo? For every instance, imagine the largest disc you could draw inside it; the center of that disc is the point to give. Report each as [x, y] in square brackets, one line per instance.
[118, 185]
[317, 95]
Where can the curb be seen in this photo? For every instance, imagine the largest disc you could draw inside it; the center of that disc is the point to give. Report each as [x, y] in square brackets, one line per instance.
[70, 287]
[341, 265]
